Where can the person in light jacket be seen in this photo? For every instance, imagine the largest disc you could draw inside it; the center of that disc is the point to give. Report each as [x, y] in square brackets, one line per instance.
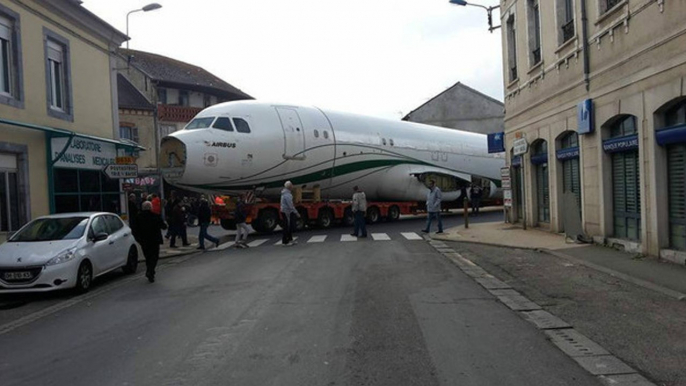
[290, 214]
[433, 207]
[240, 215]
[359, 211]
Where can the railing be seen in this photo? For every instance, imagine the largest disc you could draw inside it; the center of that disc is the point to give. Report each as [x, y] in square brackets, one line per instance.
[536, 55]
[514, 75]
[568, 31]
[168, 113]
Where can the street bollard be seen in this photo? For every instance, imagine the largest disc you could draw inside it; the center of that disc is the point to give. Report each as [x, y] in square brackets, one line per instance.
[466, 213]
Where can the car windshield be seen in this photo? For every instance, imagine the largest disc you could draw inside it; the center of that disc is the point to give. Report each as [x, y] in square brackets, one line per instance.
[200, 123]
[52, 229]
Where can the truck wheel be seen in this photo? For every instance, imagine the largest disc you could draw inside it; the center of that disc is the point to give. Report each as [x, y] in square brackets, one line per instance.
[373, 215]
[325, 219]
[228, 224]
[301, 222]
[393, 213]
[348, 217]
[267, 220]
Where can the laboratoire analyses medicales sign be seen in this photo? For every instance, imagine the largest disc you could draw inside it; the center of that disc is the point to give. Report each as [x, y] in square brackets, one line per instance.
[83, 153]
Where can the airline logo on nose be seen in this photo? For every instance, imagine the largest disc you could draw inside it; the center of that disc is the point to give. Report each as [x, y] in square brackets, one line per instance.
[229, 145]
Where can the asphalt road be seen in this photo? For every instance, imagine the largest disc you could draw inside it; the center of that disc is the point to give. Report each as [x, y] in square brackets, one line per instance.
[332, 313]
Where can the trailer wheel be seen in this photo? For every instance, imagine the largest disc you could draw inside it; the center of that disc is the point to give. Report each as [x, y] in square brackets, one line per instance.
[267, 220]
[373, 215]
[301, 222]
[348, 217]
[393, 213]
[228, 224]
[325, 219]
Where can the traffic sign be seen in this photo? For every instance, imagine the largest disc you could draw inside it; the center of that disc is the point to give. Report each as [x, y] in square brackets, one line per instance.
[520, 146]
[117, 172]
[507, 195]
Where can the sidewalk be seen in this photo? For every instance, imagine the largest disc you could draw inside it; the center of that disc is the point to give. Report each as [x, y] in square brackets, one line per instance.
[668, 278]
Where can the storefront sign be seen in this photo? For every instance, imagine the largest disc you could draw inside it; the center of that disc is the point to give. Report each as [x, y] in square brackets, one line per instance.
[83, 153]
[569, 153]
[585, 117]
[507, 198]
[125, 160]
[496, 143]
[117, 172]
[616, 145]
[520, 146]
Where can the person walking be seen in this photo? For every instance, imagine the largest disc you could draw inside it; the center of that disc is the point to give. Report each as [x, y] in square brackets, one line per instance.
[290, 214]
[156, 204]
[359, 211]
[242, 229]
[476, 193]
[204, 218]
[433, 207]
[169, 211]
[178, 225]
[133, 210]
[148, 233]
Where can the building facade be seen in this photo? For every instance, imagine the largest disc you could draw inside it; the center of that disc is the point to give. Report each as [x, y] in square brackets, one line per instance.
[158, 96]
[596, 88]
[58, 111]
[463, 108]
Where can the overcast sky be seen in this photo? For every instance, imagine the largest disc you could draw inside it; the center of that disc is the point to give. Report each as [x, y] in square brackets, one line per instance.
[375, 57]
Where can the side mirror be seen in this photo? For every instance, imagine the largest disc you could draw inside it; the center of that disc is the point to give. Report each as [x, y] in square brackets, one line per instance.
[102, 236]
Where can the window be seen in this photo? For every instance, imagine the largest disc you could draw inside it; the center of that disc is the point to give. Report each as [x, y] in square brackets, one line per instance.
[11, 77]
[565, 18]
[165, 130]
[114, 224]
[676, 115]
[391, 142]
[606, 5]
[512, 48]
[223, 123]
[85, 191]
[130, 133]
[243, 127]
[383, 141]
[184, 99]
[200, 123]
[57, 75]
[534, 32]
[326, 134]
[316, 133]
[207, 100]
[624, 127]
[99, 225]
[162, 95]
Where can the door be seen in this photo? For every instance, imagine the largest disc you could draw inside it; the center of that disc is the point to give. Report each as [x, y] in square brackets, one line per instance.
[100, 253]
[677, 196]
[293, 133]
[9, 194]
[626, 195]
[542, 193]
[518, 192]
[118, 242]
[571, 179]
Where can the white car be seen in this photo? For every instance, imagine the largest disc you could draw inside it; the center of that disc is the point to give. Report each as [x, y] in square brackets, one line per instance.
[66, 251]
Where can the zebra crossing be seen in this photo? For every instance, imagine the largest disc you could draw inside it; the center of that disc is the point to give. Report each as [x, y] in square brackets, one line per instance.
[319, 239]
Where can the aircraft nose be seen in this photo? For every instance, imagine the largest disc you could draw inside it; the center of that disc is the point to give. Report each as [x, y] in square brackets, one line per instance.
[172, 159]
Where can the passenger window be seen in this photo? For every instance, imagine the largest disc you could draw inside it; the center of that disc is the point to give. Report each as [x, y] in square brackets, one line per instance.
[223, 124]
[114, 224]
[326, 135]
[99, 226]
[391, 141]
[383, 140]
[241, 125]
[316, 133]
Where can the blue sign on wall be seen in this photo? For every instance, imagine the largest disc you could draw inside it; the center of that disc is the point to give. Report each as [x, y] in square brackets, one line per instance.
[616, 145]
[585, 117]
[496, 143]
[569, 153]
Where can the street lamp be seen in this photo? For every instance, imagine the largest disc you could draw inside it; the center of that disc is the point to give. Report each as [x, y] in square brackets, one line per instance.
[488, 9]
[147, 8]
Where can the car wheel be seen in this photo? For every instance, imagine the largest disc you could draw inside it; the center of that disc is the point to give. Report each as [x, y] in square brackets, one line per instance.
[267, 220]
[131, 261]
[84, 277]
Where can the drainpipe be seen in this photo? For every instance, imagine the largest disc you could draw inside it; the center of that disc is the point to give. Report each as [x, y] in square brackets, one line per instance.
[584, 38]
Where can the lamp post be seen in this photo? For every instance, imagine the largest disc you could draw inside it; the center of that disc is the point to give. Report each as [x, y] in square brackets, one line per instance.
[147, 8]
[488, 9]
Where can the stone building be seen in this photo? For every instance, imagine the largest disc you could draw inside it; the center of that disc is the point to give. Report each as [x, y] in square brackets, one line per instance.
[58, 111]
[596, 88]
[461, 107]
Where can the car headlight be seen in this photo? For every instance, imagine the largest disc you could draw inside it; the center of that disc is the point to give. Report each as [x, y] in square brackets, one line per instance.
[63, 257]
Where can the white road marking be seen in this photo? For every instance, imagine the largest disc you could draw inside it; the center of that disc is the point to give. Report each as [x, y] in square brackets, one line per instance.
[411, 236]
[380, 237]
[317, 239]
[348, 238]
[281, 242]
[257, 243]
[224, 246]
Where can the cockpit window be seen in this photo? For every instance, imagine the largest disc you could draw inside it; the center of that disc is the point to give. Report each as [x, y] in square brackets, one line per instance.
[241, 125]
[223, 124]
[200, 123]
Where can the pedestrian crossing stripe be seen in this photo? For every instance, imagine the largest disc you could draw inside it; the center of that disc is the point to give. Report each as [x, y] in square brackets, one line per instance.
[317, 239]
[411, 236]
[346, 238]
[380, 237]
[280, 242]
[225, 246]
[257, 243]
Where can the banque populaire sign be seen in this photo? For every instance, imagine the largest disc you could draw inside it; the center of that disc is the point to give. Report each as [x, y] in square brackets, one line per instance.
[83, 153]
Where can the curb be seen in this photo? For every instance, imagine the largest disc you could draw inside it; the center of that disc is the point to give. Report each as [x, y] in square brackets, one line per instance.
[599, 362]
[630, 279]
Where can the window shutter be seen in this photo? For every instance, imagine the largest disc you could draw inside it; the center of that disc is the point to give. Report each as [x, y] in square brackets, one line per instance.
[5, 29]
[55, 52]
[677, 195]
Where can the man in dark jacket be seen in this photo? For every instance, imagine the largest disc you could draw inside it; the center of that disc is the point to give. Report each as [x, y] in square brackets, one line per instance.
[204, 218]
[178, 225]
[148, 233]
[133, 210]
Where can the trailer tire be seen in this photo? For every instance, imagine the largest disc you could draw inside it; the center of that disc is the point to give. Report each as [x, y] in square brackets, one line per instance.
[228, 224]
[326, 218]
[266, 221]
[301, 222]
[373, 215]
[393, 213]
[348, 217]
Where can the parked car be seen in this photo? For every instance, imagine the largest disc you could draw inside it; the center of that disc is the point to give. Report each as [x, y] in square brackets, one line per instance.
[66, 251]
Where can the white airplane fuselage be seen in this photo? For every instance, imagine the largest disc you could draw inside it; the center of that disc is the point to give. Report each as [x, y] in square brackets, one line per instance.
[389, 160]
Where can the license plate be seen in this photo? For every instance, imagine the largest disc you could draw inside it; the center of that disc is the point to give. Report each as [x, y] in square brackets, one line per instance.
[18, 275]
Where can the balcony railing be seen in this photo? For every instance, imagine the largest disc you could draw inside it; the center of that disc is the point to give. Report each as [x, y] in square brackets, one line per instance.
[536, 55]
[568, 31]
[169, 113]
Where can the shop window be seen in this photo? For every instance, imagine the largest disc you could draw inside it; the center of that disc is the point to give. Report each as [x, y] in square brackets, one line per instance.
[58, 76]
[9, 200]
[571, 173]
[540, 160]
[675, 117]
[66, 180]
[626, 186]
[85, 191]
[89, 181]
[11, 72]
